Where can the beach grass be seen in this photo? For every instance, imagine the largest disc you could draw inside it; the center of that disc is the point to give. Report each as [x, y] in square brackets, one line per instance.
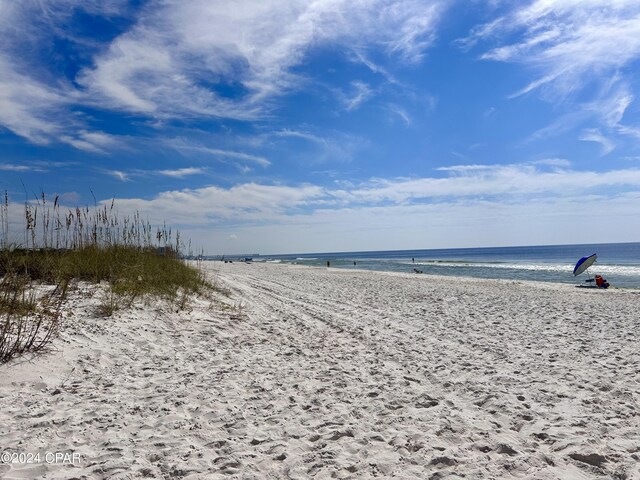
[61, 247]
[130, 270]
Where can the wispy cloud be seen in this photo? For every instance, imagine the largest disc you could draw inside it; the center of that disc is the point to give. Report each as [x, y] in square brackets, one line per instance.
[400, 112]
[136, 173]
[95, 142]
[568, 43]
[360, 92]
[488, 112]
[466, 168]
[181, 172]
[327, 146]
[361, 57]
[178, 58]
[612, 101]
[158, 67]
[553, 162]
[263, 162]
[19, 94]
[414, 21]
[120, 175]
[35, 166]
[633, 131]
[594, 135]
[184, 145]
[607, 109]
[300, 134]
[39, 113]
[8, 167]
[35, 104]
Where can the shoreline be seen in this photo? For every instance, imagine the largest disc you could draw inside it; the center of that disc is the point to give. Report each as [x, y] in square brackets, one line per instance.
[521, 273]
[316, 373]
[439, 277]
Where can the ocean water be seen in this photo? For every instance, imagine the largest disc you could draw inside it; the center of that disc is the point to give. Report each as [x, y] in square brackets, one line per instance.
[619, 263]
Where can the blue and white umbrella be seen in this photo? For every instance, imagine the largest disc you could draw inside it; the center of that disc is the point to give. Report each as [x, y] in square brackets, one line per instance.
[583, 264]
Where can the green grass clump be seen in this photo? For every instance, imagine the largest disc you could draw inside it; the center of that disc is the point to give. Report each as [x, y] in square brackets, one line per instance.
[81, 244]
[130, 270]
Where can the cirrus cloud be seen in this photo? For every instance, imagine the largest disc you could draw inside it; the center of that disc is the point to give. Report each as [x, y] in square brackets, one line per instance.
[181, 55]
[567, 42]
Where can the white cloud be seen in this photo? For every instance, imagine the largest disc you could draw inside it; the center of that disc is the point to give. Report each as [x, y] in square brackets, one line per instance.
[361, 92]
[122, 176]
[465, 168]
[35, 166]
[8, 167]
[95, 142]
[613, 103]
[246, 202]
[252, 203]
[594, 135]
[607, 108]
[184, 145]
[32, 104]
[263, 162]
[19, 94]
[629, 130]
[173, 60]
[460, 223]
[361, 57]
[554, 162]
[181, 172]
[414, 22]
[39, 113]
[568, 42]
[475, 181]
[298, 134]
[158, 68]
[400, 112]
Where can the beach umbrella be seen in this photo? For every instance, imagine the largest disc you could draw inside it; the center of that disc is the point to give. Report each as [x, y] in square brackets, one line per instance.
[583, 264]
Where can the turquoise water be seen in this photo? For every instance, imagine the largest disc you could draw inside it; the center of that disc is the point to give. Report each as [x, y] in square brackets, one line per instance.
[619, 263]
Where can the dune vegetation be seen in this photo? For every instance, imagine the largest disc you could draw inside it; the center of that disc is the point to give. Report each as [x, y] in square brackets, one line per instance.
[59, 247]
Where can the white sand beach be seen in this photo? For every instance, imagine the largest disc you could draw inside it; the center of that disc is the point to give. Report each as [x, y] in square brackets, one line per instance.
[307, 372]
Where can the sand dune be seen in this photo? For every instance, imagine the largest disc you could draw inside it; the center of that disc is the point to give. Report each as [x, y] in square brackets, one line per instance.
[325, 373]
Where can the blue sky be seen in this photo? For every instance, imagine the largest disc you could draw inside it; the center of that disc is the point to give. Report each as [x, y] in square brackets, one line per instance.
[329, 125]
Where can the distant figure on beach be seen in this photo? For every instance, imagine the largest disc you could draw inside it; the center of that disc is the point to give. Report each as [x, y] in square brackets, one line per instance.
[354, 263]
[417, 271]
[328, 263]
[601, 282]
[413, 260]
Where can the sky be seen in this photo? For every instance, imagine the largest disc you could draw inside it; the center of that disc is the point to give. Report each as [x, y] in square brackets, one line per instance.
[269, 126]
